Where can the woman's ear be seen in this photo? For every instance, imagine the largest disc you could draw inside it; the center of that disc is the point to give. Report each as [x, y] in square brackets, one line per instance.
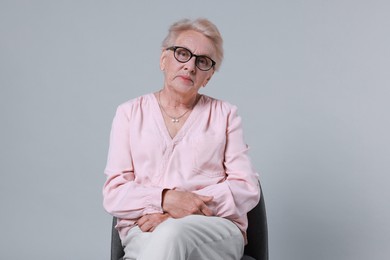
[207, 79]
[162, 61]
[205, 82]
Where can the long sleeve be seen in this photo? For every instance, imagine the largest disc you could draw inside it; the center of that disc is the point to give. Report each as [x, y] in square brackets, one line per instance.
[123, 197]
[240, 192]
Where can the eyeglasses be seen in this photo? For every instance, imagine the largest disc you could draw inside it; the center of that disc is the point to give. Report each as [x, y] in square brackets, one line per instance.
[183, 55]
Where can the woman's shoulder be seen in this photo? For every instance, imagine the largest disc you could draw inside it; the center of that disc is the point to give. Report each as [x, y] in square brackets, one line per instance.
[220, 105]
[136, 105]
[137, 102]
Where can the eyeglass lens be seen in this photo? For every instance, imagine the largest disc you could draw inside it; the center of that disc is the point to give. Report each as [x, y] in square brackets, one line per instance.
[184, 55]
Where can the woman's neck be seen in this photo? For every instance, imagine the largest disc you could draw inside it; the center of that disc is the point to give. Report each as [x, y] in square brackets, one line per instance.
[177, 101]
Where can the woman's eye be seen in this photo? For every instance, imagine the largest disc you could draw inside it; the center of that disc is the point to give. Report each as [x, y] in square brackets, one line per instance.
[203, 60]
[183, 53]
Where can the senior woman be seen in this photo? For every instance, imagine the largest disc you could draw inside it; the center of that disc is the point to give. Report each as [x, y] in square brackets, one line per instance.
[179, 178]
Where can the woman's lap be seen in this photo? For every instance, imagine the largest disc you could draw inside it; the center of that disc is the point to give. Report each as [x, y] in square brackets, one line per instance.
[191, 237]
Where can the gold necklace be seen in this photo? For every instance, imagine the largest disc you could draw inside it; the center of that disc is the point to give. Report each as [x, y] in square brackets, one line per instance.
[174, 119]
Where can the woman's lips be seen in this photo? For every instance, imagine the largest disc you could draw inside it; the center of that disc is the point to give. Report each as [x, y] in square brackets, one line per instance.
[186, 78]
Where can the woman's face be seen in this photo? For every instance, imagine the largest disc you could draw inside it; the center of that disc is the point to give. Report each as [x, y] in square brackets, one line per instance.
[186, 78]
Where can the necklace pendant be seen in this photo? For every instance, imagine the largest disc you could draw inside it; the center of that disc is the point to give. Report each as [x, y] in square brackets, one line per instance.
[175, 120]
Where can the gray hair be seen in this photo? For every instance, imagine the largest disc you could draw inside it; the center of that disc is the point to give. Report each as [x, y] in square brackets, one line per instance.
[201, 25]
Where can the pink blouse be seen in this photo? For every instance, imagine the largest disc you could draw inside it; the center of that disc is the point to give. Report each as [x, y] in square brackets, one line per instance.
[208, 156]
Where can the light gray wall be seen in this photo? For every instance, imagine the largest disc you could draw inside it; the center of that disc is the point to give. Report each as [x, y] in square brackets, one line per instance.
[311, 79]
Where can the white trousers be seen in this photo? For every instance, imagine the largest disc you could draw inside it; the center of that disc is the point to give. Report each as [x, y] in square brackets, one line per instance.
[194, 237]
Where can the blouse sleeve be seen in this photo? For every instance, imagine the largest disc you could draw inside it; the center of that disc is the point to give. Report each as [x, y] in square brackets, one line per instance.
[122, 196]
[240, 192]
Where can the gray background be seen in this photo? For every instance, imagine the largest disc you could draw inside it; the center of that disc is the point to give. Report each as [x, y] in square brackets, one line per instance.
[311, 79]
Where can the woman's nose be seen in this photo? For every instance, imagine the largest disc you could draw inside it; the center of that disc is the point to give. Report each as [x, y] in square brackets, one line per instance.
[191, 64]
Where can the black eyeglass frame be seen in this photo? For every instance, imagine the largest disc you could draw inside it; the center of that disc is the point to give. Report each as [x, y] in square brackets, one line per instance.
[174, 48]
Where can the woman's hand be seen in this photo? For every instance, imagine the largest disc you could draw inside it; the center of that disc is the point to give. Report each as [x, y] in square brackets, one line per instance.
[182, 203]
[149, 222]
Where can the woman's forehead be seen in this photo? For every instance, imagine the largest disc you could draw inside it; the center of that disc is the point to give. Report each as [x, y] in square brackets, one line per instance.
[196, 42]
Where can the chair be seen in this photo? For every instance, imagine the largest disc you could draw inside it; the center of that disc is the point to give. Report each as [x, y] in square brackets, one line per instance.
[257, 247]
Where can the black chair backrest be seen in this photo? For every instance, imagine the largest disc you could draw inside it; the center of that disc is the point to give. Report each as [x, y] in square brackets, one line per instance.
[117, 252]
[257, 232]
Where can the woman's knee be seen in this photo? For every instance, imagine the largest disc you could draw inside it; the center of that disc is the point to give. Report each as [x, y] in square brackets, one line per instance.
[171, 229]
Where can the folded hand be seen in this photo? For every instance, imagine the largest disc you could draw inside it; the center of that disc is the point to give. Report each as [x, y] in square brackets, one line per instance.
[149, 222]
[179, 204]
